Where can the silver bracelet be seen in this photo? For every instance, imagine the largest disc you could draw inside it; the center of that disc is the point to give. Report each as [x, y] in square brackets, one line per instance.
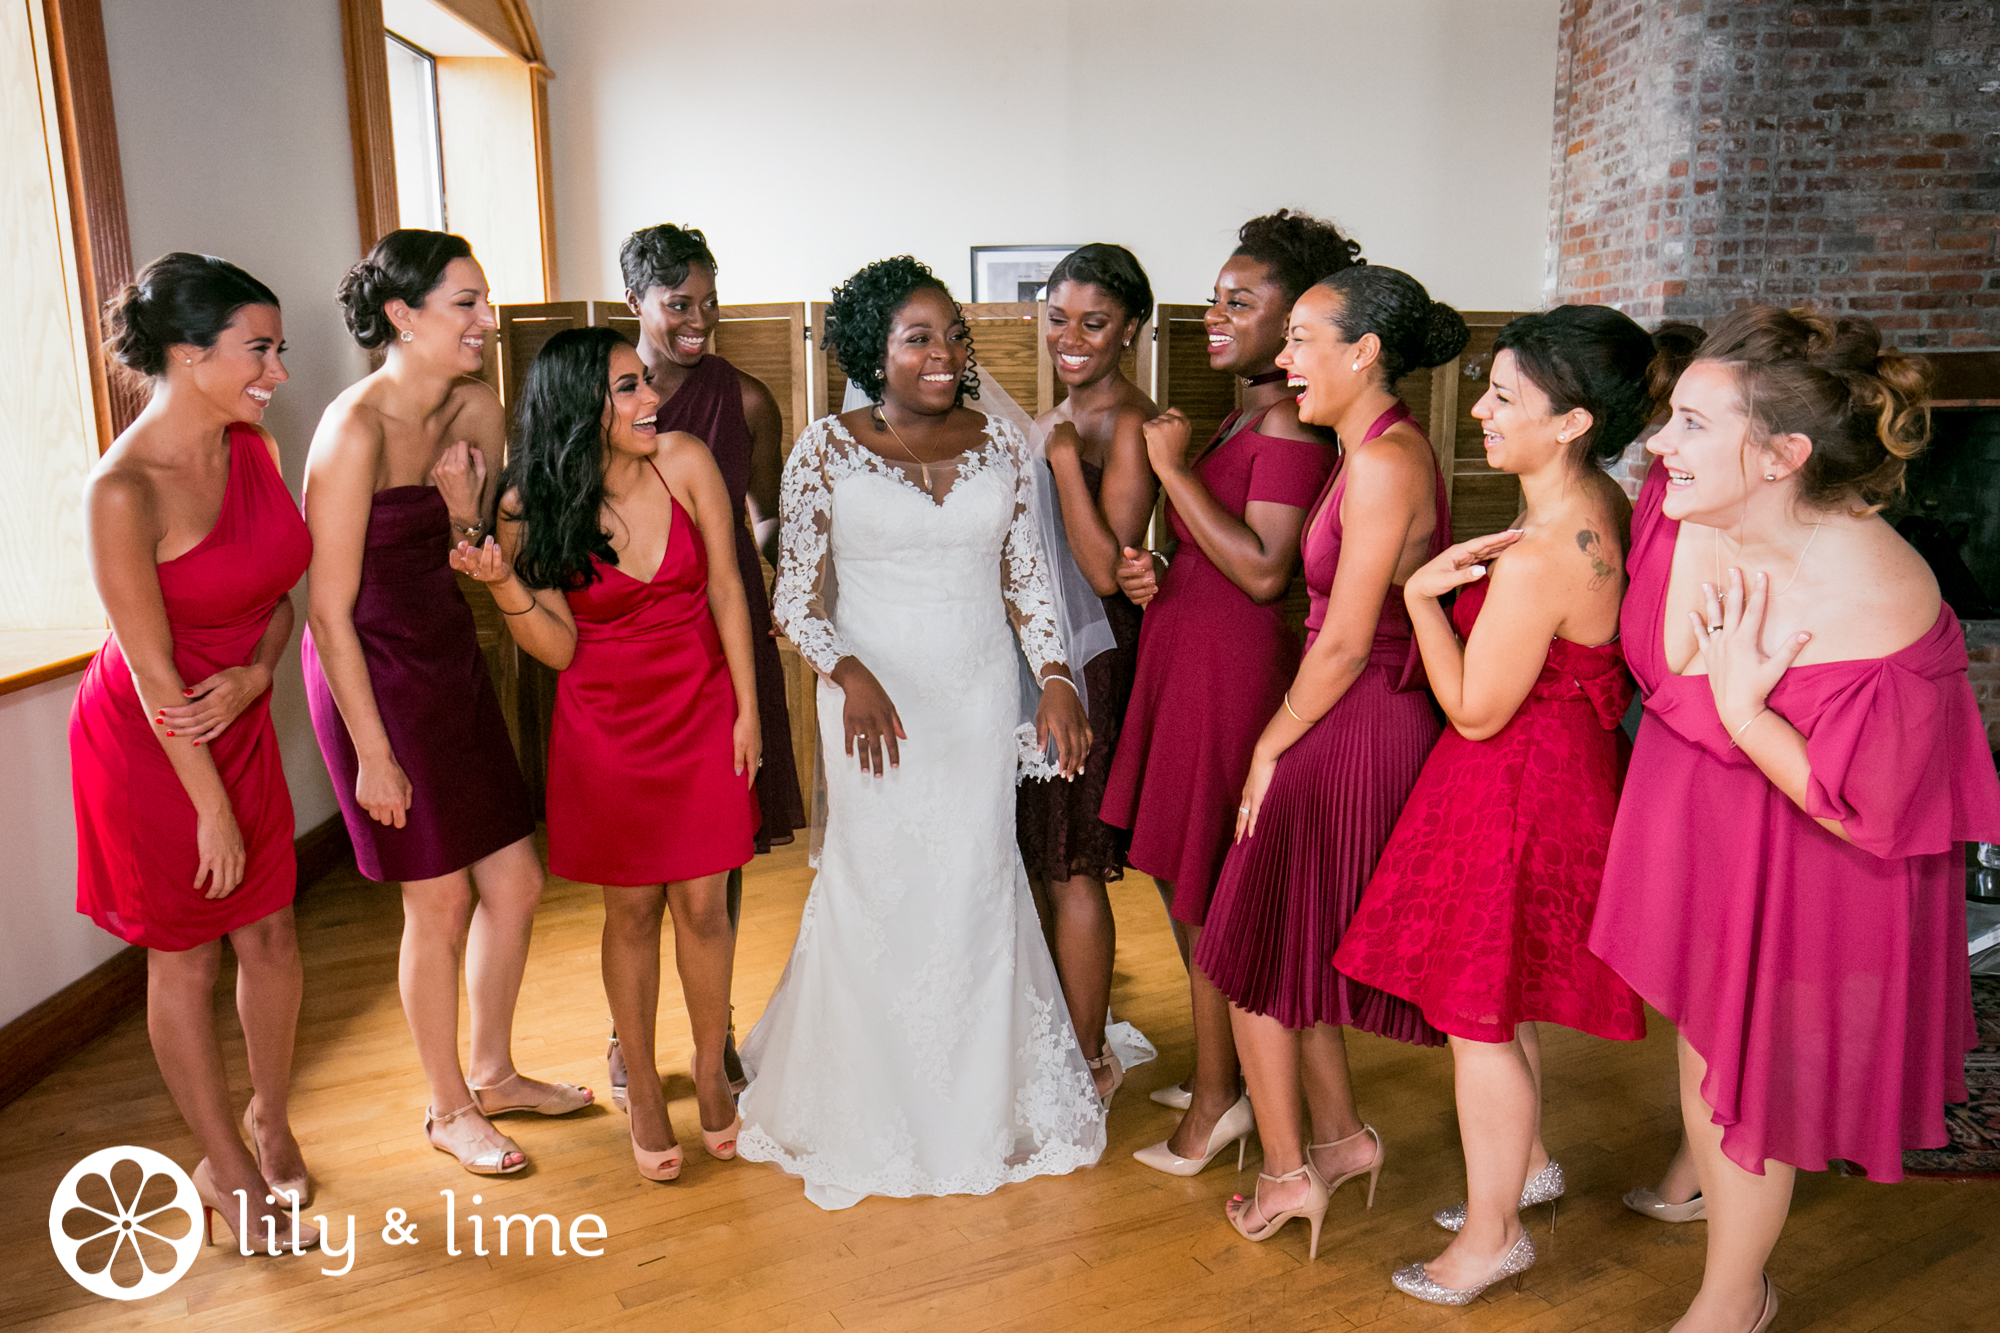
[1065, 680]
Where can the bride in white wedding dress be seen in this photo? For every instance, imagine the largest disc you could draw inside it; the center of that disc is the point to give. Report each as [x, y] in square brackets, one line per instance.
[918, 1043]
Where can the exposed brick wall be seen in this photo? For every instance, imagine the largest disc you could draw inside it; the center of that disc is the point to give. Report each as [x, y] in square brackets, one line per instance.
[1982, 645]
[1711, 153]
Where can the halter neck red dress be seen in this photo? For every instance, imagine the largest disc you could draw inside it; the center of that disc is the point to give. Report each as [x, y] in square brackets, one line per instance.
[1288, 891]
[709, 406]
[642, 781]
[1824, 982]
[1213, 667]
[135, 826]
[1480, 910]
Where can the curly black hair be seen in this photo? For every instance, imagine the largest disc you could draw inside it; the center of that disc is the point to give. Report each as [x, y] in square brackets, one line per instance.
[1112, 267]
[661, 257]
[863, 307]
[1298, 248]
[179, 298]
[556, 466]
[406, 265]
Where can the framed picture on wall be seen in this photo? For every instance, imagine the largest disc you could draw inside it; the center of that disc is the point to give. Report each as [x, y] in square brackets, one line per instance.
[1013, 272]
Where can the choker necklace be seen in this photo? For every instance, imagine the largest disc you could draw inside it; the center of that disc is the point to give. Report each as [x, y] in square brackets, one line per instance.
[1269, 377]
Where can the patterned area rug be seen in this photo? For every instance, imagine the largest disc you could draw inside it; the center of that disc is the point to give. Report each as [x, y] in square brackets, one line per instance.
[1974, 1153]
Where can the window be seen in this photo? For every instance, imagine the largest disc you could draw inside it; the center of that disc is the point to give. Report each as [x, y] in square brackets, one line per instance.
[413, 124]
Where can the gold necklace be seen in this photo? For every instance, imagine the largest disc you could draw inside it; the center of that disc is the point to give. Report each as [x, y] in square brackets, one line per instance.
[922, 466]
[1788, 582]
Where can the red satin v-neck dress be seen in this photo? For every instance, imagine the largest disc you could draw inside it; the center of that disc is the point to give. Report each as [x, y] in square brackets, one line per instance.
[135, 826]
[642, 787]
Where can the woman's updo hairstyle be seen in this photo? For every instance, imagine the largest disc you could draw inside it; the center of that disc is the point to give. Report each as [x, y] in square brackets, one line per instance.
[1865, 407]
[1598, 359]
[1298, 248]
[555, 469]
[1112, 267]
[862, 309]
[1392, 305]
[662, 257]
[179, 299]
[406, 265]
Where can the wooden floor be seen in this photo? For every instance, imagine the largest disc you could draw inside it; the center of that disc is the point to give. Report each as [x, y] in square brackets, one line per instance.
[735, 1246]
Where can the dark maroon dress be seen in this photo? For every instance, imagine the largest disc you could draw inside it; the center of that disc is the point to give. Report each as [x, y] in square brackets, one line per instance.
[1057, 822]
[436, 700]
[709, 406]
[1213, 667]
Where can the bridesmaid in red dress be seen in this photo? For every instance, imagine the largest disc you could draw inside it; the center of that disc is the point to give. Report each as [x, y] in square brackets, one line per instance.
[401, 701]
[183, 820]
[1214, 649]
[1480, 908]
[669, 277]
[1785, 881]
[1339, 751]
[656, 741]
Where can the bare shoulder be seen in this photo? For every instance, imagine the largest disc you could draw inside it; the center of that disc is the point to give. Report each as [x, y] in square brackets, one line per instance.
[757, 395]
[121, 489]
[683, 458]
[1282, 422]
[1398, 458]
[349, 428]
[1904, 588]
[473, 406]
[270, 447]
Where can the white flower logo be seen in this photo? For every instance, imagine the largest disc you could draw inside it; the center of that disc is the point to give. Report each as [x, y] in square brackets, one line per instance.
[87, 1230]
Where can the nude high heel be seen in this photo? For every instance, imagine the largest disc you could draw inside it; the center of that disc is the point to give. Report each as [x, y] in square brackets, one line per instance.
[1313, 1209]
[662, 1166]
[1373, 1169]
[1108, 1060]
[1236, 1124]
[616, 1077]
[211, 1209]
[281, 1188]
[721, 1143]
[1648, 1203]
[1770, 1306]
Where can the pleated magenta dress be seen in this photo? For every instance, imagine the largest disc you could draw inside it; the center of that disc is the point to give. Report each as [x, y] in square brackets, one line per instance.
[1824, 982]
[1288, 892]
[135, 826]
[1479, 912]
[435, 697]
[642, 787]
[1213, 667]
[709, 406]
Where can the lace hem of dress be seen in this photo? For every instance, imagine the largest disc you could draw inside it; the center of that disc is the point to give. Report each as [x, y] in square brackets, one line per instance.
[906, 1180]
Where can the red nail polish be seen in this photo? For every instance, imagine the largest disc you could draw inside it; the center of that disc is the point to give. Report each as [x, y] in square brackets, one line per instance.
[170, 733]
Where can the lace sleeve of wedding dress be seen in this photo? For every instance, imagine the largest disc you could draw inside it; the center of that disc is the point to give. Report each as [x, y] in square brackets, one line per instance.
[802, 599]
[1024, 572]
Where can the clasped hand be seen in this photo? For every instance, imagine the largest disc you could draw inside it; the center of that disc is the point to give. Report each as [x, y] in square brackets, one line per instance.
[1728, 639]
[460, 478]
[214, 703]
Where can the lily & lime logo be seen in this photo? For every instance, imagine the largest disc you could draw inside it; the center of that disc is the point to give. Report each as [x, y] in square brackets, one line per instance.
[93, 1225]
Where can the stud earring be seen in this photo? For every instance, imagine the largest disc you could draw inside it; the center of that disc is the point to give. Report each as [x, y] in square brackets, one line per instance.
[1357, 365]
[406, 335]
[187, 360]
[1770, 476]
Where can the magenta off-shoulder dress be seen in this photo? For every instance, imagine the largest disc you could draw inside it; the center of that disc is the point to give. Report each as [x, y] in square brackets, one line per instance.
[1824, 982]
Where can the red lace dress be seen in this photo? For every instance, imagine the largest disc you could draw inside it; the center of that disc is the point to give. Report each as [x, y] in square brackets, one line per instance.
[1480, 909]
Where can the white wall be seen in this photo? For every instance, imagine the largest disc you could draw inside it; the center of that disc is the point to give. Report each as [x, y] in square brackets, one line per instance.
[807, 137]
[46, 945]
[232, 123]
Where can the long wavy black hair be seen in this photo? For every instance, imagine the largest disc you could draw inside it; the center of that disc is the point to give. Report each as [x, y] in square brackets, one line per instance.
[556, 467]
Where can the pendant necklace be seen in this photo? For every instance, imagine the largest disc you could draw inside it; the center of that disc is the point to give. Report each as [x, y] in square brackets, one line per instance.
[1788, 582]
[922, 466]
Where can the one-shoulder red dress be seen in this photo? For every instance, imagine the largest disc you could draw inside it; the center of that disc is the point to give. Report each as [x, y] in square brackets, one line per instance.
[1823, 981]
[135, 826]
[642, 780]
[1213, 667]
[1480, 909]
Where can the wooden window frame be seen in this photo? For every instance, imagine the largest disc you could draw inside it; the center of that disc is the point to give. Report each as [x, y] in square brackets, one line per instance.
[362, 36]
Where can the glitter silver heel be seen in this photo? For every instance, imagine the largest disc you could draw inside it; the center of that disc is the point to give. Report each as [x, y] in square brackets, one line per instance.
[1546, 1187]
[1413, 1281]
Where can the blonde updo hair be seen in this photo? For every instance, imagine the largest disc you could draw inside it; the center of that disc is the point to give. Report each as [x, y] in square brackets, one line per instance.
[1865, 407]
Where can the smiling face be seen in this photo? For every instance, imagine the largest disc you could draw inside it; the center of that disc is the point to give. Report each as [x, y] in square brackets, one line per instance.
[681, 318]
[1088, 332]
[449, 329]
[1518, 425]
[629, 412]
[244, 367]
[1246, 318]
[1319, 360]
[1710, 459]
[928, 348]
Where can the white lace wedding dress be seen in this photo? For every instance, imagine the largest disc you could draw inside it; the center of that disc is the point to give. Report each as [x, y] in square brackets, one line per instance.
[918, 1042]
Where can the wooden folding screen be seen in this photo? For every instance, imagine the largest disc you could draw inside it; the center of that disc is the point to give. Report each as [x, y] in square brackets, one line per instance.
[1482, 500]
